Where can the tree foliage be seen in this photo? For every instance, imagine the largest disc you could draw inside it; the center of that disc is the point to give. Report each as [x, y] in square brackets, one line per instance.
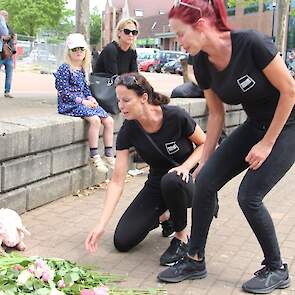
[95, 26]
[28, 16]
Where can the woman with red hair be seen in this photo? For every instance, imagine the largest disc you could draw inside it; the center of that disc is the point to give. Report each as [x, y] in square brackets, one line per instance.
[237, 67]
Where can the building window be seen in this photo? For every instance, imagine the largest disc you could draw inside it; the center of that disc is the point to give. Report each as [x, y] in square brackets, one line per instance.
[268, 5]
[230, 7]
[138, 12]
[252, 7]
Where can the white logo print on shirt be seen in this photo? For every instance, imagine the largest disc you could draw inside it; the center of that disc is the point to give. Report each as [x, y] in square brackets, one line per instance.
[246, 83]
[171, 147]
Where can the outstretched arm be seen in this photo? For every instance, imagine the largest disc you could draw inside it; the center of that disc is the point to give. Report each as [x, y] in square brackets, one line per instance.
[113, 194]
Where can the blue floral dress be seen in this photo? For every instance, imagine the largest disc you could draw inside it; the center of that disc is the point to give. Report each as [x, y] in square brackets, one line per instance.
[72, 89]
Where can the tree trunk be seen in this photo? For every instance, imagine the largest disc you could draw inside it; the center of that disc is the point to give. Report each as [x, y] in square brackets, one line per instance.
[82, 18]
[282, 18]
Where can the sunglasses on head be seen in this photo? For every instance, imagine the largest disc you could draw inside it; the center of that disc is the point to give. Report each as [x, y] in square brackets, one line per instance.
[128, 81]
[178, 3]
[127, 32]
[77, 49]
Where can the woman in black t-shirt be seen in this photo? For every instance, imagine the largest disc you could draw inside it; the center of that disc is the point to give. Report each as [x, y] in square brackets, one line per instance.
[119, 56]
[169, 186]
[237, 67]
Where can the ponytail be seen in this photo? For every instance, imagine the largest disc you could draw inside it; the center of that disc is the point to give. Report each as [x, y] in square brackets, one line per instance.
[158, 98]
[221, 15]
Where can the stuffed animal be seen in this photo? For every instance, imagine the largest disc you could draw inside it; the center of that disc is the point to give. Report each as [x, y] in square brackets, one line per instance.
[12, 230]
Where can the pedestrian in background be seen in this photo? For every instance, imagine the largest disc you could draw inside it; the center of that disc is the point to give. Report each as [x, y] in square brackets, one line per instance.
[10, 38]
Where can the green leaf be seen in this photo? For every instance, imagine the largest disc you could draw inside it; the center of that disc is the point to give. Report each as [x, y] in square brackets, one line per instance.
[43, 291]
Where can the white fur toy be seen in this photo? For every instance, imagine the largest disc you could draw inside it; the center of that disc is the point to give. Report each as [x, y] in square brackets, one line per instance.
[11, 229]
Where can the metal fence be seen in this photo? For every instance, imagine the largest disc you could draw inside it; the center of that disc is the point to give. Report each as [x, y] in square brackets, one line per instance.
[42, 57]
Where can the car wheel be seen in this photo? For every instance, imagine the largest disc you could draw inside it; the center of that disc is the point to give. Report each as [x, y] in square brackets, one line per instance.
[151, 69]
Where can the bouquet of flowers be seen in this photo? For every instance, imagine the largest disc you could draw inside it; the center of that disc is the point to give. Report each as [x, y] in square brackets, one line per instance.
[21, 275]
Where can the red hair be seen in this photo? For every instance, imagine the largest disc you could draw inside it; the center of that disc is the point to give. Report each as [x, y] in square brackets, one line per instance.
[214, 12]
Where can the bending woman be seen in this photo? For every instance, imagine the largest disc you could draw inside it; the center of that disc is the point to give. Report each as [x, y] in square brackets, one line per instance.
[168, 186]
[237, 67]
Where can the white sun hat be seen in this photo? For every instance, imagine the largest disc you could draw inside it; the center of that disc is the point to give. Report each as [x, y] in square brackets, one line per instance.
[76, 40]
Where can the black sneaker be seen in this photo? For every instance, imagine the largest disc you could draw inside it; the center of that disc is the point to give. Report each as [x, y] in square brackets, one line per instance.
[267, 280]
[167, 228]
[184, 269]
[175, 252]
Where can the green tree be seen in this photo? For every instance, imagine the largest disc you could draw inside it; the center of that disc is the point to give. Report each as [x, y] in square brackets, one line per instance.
[28, 16]
[95, 26]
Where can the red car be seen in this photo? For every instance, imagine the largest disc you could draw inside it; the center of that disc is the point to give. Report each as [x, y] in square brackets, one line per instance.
[148, 65]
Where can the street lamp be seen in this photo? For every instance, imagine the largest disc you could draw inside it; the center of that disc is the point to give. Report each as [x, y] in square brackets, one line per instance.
[274, 4]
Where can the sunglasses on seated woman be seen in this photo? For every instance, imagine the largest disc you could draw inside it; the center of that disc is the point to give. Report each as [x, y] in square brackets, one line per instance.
[77, 49]
[127, 32]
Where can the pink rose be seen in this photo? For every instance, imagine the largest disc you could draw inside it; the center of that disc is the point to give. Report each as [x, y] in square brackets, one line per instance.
[18, 267]
[101, 290]
[86, 292]
[41, 263]
[47, 276]
[61, 283]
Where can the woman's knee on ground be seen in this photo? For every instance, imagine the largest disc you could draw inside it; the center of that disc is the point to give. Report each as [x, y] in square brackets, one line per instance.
[121, 241]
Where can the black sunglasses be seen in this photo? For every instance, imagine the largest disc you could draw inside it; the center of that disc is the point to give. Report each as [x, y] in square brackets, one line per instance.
[77, 49]
[127, 32]
[128, 81]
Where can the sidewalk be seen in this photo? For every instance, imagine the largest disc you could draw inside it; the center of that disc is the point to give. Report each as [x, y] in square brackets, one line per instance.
[35, 94]
[59, 229]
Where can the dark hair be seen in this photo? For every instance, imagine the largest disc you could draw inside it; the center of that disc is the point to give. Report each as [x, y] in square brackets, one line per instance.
[214, 10]
[140, 85]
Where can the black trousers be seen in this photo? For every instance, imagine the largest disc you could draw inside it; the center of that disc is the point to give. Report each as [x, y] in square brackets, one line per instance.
[158, 194]
[228, 161]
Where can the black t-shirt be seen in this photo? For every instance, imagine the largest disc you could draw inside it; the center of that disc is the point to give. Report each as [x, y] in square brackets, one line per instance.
[171, 138]
[115, 61]
[242, 81]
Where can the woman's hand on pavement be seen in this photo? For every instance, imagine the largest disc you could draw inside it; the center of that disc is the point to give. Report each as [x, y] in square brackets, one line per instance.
[93, 238]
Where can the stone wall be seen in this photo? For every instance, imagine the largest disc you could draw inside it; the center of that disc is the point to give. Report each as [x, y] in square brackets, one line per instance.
[45, 158]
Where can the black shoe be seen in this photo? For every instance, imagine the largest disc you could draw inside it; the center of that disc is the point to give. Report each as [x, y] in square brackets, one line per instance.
[186, 268]
[267, 280]
[167, 228]
[175, 252]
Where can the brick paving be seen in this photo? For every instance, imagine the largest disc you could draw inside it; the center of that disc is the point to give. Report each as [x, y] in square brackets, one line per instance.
[59, 229]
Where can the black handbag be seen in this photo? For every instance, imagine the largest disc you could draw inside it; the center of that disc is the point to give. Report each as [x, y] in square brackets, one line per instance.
[103, 90]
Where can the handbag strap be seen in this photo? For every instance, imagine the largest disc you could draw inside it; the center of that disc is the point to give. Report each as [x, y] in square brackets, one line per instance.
[173, 162]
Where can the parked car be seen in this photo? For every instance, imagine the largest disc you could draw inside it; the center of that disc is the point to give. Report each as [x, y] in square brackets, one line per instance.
[148, 65]
[168, 55]
[144, 54]
[172, 67]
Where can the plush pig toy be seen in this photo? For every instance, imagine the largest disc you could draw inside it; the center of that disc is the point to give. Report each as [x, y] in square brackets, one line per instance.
[12, 230]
